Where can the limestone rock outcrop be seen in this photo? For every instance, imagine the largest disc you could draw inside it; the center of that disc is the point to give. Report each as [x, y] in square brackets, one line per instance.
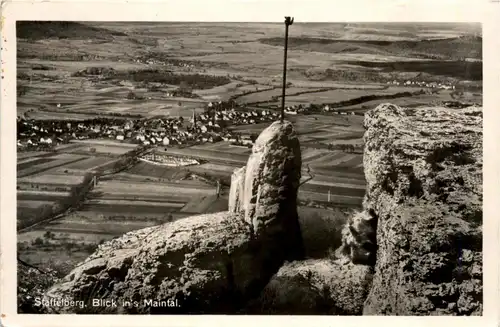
[212, 263]
[272, 178]
[316, 286]
[359, 239]
[424, 173]
[236, 190]
[265, 190]
[336, 285]
[415, 249]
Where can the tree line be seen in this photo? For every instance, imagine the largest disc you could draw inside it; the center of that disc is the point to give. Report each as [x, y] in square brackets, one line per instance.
[77, 194]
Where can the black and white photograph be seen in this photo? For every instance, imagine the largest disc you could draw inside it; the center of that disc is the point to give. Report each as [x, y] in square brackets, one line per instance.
[247, 168]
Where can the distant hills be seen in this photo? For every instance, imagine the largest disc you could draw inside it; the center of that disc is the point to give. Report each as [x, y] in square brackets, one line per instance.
[457, 48]
[444, 48]
[37, 30]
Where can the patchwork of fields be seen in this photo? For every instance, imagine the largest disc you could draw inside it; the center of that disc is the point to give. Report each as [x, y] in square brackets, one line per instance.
[149, 194]
[43, 178]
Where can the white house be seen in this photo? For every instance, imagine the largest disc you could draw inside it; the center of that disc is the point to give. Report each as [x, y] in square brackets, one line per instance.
[120, 137]
[45, 141]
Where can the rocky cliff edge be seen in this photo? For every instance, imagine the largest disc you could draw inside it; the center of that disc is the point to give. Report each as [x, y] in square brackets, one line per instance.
[212, 263]
[424, 173]
[414, 249]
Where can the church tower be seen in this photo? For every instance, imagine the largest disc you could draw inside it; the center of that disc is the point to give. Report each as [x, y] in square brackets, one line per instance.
[193, 119]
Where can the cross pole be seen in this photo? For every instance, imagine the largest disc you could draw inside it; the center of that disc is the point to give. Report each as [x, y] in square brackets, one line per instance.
[288, 22]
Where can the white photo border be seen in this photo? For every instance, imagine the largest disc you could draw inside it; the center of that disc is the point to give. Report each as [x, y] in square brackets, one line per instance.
[485, 12]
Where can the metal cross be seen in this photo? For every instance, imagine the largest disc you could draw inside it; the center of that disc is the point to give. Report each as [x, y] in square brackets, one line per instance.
[288, 22]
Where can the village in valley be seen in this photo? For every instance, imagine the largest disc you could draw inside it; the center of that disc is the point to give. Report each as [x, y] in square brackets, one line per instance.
[155, 131]
[200, 128]
[120, 127]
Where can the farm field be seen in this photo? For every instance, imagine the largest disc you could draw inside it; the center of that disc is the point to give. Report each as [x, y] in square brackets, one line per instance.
[340, 95]
[304, 96]
[46, 178]
[113, 208]
[148, 194]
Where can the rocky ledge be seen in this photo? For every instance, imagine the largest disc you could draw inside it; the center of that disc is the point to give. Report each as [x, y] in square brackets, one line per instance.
[212, 263]
[414, 249]
[424, 173]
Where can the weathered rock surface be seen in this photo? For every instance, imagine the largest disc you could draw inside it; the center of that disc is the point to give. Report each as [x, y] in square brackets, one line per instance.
[236, 190]
[316, 286]
[211, 263]
[359, 239]
[416, 247]
[337, 285]
[424, 173]
[272, 179]
[186, 260]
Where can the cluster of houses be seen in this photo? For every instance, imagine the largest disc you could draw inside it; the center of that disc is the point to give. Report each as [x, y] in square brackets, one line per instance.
[157, 131]
[163, 62]
[297, 109]
[181, 94]
[432, 85]
[327, 108]
[238, 117]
